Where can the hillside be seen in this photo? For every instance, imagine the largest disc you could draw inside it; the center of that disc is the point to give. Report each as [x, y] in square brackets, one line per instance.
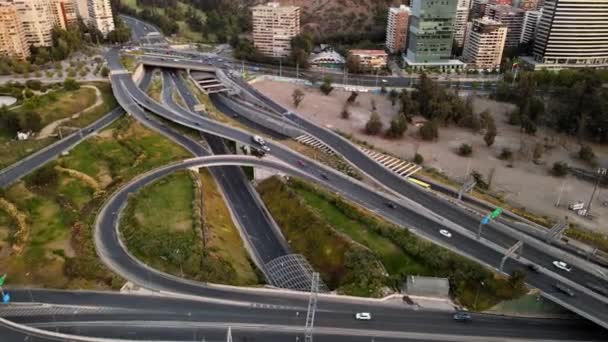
[328, 17]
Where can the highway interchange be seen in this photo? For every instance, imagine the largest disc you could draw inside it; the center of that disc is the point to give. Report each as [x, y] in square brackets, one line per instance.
[284, 310]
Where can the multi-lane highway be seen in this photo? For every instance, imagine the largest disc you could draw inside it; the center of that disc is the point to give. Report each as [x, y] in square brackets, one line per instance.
[590, 303]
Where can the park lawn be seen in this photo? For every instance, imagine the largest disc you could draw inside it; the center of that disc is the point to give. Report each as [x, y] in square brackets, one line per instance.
[58, 104]
[223, 240]
[109, 103]
[392, 257]
[61, 211]
[12, 150]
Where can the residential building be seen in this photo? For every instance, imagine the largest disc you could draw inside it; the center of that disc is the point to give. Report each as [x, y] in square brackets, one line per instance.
[12, 36]
[82, 7]
[572, 33]
[530, 5]
[396, 28]
[513, 17]
[528, 28]
[478, 9]
[273, 28]
[500, 2]
[484, 44]
[431, 35]
[100, 15]
[460, 21]
[371, 59]
[65, 12]
[37, 20]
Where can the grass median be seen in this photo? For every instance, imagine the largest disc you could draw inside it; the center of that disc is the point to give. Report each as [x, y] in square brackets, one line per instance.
[325, 227]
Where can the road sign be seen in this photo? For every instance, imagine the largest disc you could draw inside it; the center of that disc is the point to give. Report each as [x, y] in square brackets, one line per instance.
[485, 220]
[6, 298]
[496, 212]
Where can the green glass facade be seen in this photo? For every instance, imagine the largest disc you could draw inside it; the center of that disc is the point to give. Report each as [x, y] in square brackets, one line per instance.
[431, 30]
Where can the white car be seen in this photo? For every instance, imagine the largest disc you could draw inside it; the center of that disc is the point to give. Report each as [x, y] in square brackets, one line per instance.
[562, 266]
[258, 139]
[445, 233]
[363, 316]
[265, 148]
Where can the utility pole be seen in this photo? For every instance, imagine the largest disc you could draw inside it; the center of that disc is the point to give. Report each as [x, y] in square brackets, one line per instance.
[312, 307]
[600, 172]
[559, 196]
[280, 67]
[229, 335]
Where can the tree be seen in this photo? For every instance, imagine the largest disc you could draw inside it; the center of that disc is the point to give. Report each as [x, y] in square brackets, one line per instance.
[374, 124]
[297, 97]
[31, 121]
[429, 130]
[465, 150]
[586, 154]
[9, 121]
[418, 158]
[326, 87]
[393, 95]
[538, 152]
[372, 102]
[398, 126]
[44, 176]
[353, 97]
[353, 65]
[506, 154]
[105, 71]
[490, 135]
[70, 84]
[560, 169]
[345, 114]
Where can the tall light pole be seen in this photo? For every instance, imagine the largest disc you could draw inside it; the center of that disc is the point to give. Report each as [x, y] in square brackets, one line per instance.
[600, 172]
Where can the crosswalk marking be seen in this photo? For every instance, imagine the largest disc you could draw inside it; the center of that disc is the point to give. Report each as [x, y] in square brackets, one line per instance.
[401, 167]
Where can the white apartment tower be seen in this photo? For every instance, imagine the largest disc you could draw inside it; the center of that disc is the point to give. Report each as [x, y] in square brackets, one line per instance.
[460, 21]
[37, 20]
[12, 37]
[273, 28]
[396, 28]
[100, 15]
[528, 28]
[573, 33]
[484, 44]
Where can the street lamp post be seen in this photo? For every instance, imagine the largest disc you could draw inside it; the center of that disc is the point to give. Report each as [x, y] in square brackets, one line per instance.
[600, 172]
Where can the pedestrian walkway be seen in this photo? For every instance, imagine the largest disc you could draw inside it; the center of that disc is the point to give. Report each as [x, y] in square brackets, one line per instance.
[314, 143]
[398, 166]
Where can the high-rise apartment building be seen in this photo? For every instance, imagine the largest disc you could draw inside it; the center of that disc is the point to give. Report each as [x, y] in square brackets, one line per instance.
[65, 12]
[460, 21]
[100, 15]
[484, 44]
[478, 8]
[396, 28]
[572, 33]
[12, 37]
[528, 28]
[513, 17]
[37, 20]
[530, 5]
[82, 6]
[273, 28]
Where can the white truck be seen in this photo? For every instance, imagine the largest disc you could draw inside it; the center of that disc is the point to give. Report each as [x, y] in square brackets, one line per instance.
[578, 205]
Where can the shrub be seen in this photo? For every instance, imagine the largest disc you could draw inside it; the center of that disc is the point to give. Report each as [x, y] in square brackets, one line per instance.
[44, 176]
[538, 152]
[490, 135]
[481, 183]
[398, 126]
[586, 154]
[506, 154]
[297, 97]
[352, 97]
[105, 71]
[465, 150]
[70, 84]
[374, 125]
[326, 87]
[429, 131]
[418, 158]
[345, 114]
[560, 169]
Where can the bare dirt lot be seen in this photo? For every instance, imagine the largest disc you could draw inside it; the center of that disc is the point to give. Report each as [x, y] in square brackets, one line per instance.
[521, 181]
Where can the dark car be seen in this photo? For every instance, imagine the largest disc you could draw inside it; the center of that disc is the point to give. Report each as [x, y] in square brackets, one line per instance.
[324, 176]
[534, 268]
[462, 316]
[391, 205]
[564, 289]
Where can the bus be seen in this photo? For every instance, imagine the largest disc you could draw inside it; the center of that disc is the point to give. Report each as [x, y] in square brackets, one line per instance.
[420, 183]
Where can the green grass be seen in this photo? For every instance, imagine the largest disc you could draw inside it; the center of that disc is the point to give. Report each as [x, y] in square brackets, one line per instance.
[58, 104]
[343, 265]
[12, 150]
[395, 260]
[156, 87]
[61, 213]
